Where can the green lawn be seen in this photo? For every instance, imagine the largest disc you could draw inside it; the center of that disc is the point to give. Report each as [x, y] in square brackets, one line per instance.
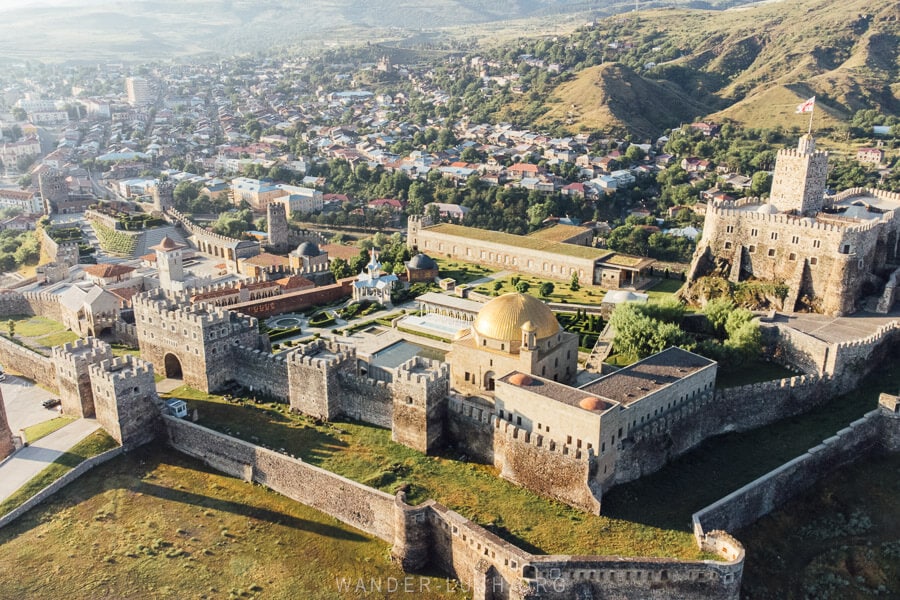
[462, 272]
[153, 523]
[587, 294]
[33, 327]
[122, 350]
[724, 463]
[664, 289]
[36, 432]
[94, 444]
[57, 339]
[366, 454]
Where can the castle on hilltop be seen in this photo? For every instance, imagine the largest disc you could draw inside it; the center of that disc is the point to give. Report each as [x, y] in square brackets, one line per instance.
[831, 252]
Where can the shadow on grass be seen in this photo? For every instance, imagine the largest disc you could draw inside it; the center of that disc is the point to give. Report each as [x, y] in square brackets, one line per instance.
[245, 510]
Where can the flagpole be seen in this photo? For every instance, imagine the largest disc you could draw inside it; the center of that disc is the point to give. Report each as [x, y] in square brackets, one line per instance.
[811, 113]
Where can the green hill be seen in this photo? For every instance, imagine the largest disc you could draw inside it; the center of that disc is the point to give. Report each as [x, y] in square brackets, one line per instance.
[614, 97]
[751, 65]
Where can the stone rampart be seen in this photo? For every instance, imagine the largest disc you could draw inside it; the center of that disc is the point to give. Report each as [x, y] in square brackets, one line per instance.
[760, 497]
[60, 483]
[367, 509]
[260, 371]
[18, 359]
[432, 532]
[14, 303]
[857, 357]
[797, 349]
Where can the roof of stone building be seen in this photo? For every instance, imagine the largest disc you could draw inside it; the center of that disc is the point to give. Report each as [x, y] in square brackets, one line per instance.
[502, 318]
[307, 249]
[558, 233]
[264, 259]
[166, 244]
[646, 376]
[559, 392]
[107, 270]
[422, 262]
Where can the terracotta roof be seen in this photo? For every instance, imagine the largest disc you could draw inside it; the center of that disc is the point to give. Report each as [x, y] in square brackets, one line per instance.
[166, 244]
[105, 270]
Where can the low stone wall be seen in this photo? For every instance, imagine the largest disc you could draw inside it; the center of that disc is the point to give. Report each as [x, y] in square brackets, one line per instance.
[60, 483]
[365, 508]
[797, 349]
[760, 497]
[29, 363]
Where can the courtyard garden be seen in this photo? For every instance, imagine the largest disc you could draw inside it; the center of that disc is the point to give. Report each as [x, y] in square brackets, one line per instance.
[37, 333]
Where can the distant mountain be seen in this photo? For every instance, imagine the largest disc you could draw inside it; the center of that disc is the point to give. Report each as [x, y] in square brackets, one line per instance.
[751, 65]
[171, 29]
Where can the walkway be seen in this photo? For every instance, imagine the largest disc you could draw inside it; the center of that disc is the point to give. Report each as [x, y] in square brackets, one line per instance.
[22, 466]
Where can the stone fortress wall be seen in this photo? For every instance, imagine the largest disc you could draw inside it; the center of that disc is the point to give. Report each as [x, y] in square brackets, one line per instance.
[490, 566]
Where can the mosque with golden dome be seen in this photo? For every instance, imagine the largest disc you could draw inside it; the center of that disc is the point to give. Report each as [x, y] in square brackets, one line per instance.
[513, 332]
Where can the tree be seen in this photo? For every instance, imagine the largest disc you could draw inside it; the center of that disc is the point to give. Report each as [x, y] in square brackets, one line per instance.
[760, 183]
[339, 268]
[745, 339]
[11, 328]
[717, 312]
[546, 289]
[736, 319]
[19, 113]
[498, 285]
[522, 287]
[573, 284]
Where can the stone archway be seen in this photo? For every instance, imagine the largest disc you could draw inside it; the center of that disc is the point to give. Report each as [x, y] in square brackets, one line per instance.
[172, 366]
[489, 381]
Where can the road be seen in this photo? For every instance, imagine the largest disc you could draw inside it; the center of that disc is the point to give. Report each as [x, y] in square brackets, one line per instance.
[29, 461]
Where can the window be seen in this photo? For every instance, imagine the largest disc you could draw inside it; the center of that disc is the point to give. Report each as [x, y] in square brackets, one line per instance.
[795, 239]
[751, 249]
[753, 232]
[728, 245]
[814, 261]
[845, 249]
[792, 256]
[774, 235]
[729, 229]
[771, 252]
[817, 243]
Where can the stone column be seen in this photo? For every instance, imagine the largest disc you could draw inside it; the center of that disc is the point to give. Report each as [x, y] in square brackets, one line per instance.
[6, 439]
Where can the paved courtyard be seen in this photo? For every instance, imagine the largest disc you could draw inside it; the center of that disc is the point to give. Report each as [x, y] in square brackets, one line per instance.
[838, 329]
[22, 399]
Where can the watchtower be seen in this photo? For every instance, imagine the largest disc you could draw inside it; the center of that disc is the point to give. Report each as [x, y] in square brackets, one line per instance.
[798, 183]
[126, 401]
[73, 377]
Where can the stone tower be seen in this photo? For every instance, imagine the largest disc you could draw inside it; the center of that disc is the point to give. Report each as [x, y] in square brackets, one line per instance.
[54, 190]
[419, 393]
[163, 195]
[126, 401]
[279, 233]
[169, 262]
[798, 183]
[6, 439]
[73, 376]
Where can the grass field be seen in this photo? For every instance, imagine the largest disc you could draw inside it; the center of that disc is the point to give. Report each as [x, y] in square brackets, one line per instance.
[366, 454]
[154, 524]
[33, 327]
[755, 371]
[94, 444]
[462, 272]
[36, 432]
[723, 464]
[840, 539]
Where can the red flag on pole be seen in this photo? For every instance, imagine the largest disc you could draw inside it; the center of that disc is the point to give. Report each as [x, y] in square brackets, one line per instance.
[807, 107]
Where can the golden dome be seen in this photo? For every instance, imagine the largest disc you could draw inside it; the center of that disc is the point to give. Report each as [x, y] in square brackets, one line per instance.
[503, 318]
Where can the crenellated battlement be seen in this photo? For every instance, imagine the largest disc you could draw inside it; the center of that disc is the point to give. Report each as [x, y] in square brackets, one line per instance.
[876, 338]
[178, 308]
[86, 350]
[423, 371]
[322, 354]
[516, 434]
[121, 368]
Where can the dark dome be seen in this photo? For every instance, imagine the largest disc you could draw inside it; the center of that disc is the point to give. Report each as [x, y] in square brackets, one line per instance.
[422, 262]
[308, 249]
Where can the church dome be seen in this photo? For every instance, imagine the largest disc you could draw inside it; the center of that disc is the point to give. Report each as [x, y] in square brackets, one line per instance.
[308, 249]
[591, 403]
[503, 318]
[767, 209]
[520, 379]
[422, 262]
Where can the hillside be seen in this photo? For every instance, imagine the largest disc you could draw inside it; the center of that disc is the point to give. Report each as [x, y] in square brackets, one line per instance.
[751, 65]
[614, 97]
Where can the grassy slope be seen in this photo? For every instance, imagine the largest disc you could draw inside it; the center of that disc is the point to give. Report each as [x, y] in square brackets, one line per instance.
[612, 96]
[366, 454]
[761, 62]
[155, 524]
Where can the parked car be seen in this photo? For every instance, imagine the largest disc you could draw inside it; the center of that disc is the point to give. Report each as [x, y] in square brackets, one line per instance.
[51, 402]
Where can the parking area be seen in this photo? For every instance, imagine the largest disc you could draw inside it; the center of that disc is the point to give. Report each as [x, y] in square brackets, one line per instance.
[22, 399]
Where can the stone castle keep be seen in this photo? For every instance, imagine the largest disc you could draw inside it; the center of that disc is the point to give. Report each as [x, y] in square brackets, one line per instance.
[830, 252]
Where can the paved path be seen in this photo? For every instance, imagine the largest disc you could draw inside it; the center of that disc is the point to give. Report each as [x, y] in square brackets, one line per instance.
[29, 461]
[23, 403]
